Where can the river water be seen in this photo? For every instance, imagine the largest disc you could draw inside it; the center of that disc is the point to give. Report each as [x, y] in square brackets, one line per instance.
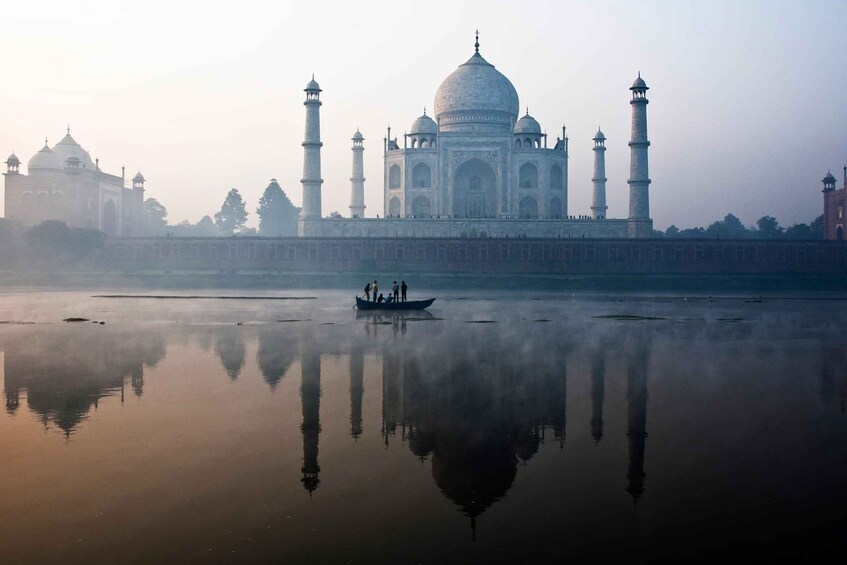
[503, 427]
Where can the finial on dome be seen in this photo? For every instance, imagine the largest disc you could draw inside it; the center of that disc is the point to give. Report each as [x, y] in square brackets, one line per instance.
[45, 142]
[639, 74]
[476, 44]
[527, 110]
[69, 129]
[424, 110]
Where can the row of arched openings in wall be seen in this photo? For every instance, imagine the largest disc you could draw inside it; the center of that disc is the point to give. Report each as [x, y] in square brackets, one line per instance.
[527, 143]
[527, 176]
[423, 143]
[527, 208]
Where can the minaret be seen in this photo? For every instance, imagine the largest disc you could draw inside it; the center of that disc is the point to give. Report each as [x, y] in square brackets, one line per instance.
[357, 181]
[640, 224]
[312, 180]
[598, 206]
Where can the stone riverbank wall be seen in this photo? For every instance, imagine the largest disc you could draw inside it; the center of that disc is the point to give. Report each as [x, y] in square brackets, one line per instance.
[474, 256]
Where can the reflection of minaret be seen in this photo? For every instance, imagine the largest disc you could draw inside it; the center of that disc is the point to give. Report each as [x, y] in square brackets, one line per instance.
[13, 400]
[559, 398]
[357, 390]
[598, 389]
[833, 364]
[637, 418]
[310, 397]
[392, 395]
[137, 380]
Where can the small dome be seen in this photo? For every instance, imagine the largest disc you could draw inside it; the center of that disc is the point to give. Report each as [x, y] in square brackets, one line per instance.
[599, 136]
[313, 85]
[138, 177]
[13, 160]
[528, 124]
[45, 159]
[829, 177]
[424, 124]
[68, 148]
[358, 136]
[639, 84]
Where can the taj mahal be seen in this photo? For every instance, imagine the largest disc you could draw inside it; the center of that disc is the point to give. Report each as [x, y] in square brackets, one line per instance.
[476, 169]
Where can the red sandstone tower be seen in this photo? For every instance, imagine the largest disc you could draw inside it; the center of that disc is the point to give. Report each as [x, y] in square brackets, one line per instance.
[833, 207]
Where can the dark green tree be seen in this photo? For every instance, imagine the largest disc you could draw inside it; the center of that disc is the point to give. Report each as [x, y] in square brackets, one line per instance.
[277, 215]
[206, 227]
[154, 218]
[233, 214]
[55, 241]
[817, 227]
[729, 228]
[769, 228]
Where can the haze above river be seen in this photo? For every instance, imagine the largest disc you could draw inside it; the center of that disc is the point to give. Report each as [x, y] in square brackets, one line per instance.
[495, 427]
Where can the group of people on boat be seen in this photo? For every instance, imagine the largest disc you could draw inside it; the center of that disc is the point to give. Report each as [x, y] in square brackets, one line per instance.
[397, 293]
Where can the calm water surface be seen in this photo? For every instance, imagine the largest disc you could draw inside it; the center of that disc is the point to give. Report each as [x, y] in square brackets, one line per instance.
[500, 428]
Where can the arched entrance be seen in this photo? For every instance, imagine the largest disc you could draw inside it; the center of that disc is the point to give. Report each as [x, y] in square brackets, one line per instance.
[394, 207]
[474, 190]
[839, 233]
[528, 208]
[555, 208]
[421, 207]
[110, 219]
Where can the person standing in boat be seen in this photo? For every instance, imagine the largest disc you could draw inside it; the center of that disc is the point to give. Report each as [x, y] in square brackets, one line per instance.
[403, 289]
[368, 291]
[395, 291]
[374, 290]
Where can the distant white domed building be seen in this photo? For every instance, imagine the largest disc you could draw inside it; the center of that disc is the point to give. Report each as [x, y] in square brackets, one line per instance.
[478, 169]
[64, 184]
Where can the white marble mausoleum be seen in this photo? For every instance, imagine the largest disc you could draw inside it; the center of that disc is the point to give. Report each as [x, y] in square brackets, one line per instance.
[476, 168]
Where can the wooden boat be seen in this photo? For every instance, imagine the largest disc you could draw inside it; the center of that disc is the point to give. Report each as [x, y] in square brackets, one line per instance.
[409, 305]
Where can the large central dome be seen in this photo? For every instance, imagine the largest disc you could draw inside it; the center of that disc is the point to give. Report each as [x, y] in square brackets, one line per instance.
[476, 96]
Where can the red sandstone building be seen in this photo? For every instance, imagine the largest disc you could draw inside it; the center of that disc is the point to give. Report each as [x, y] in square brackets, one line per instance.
[834, 207]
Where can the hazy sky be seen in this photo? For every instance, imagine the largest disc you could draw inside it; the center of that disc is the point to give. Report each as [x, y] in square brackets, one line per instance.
[746, 109]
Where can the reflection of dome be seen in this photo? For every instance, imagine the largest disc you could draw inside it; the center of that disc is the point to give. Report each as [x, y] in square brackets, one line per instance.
[528, 124]
[424, 124]
[476, 93]
[45, 159]
[474, 477]
[68, 148]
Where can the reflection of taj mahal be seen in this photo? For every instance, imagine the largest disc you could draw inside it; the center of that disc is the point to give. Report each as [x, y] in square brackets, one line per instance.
[477, 169]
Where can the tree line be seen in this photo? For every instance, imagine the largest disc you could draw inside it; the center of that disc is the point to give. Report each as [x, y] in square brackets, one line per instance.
[767, 227]
[277, 217]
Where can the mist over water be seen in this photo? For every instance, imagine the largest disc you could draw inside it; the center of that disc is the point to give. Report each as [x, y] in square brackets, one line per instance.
[508, 427]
